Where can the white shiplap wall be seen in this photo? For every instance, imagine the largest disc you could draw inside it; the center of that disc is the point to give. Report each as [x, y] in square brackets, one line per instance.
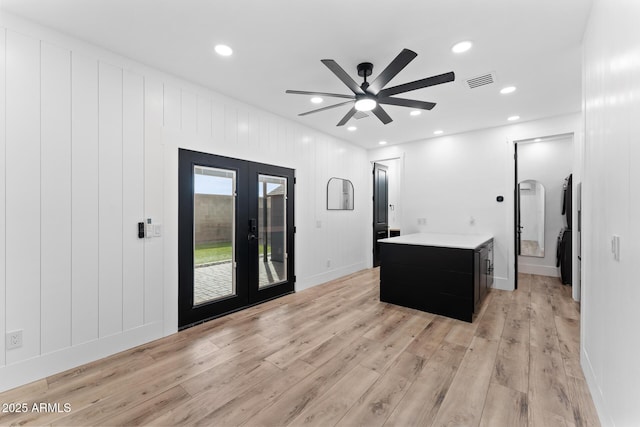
[89, 148]
[611, 206]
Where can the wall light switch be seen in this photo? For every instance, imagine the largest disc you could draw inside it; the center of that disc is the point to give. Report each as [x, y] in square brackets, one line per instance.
[148, 232]
[157, 230]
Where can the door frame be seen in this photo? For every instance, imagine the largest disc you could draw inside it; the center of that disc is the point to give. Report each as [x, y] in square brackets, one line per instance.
[375, 230]
[399, 156]
[246, 272]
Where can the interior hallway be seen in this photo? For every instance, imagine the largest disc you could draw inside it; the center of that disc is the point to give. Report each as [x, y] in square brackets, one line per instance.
[335, 355]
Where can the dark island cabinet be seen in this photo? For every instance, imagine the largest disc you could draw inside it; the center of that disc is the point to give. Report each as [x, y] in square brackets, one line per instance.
[450, 281]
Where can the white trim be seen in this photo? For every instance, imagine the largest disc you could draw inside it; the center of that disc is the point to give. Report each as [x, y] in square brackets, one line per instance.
[596, 392]
[542, 270]
[502, 283]
[321, 278]
[40, 367]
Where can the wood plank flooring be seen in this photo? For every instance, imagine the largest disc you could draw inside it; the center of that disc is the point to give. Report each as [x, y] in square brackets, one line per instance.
[336, 355]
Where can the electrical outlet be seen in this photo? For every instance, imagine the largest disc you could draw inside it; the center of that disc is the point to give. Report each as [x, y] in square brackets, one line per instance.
[328, 263]
[14, 339]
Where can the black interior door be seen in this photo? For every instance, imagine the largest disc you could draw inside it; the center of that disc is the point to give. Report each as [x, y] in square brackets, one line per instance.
[235, 234]
[380, 208]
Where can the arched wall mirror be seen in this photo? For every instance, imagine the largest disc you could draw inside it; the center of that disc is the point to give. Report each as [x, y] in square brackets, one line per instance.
[531, 218]
[339, 194]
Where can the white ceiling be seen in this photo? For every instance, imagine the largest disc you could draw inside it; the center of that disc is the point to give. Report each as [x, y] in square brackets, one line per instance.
[278, 44]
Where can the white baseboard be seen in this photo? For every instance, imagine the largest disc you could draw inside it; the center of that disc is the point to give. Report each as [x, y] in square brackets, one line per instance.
[502, 283]
[40, 367]
[541, 270]
[318, 279]
[596, 393]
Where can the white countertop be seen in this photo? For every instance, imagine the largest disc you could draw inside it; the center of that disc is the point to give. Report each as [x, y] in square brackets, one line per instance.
[461, 241]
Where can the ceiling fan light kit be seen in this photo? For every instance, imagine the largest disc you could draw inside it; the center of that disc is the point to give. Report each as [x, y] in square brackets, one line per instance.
[365, 103]
[370, 96]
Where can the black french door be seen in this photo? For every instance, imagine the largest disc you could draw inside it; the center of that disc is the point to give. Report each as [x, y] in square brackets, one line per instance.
[235, 234]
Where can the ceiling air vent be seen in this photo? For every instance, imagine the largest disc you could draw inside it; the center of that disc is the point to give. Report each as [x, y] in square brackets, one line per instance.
[483, 80]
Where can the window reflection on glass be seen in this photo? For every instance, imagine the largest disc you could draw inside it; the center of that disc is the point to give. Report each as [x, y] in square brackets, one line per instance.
[213, 234]
[272, 230]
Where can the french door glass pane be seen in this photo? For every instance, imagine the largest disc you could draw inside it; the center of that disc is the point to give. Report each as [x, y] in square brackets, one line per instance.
[272, 230]
[214, 234]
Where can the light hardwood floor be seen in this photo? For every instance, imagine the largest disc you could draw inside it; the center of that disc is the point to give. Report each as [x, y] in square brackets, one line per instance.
[336, 355]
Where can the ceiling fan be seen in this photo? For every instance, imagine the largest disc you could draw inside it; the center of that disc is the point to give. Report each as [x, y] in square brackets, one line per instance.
[370, 96]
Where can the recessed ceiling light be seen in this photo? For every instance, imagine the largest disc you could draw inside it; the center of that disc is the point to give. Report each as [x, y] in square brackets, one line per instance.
[351, 128]
[438, 132]
[508, 89]
[461, 47]
[223, 50]
[382, 142]
[415, 113]
[513, 118]
[537, 140]
[316, 100]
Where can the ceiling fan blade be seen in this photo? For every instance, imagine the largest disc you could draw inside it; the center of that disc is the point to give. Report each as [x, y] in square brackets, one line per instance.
[412, 103]
[334, 95]
[347, 116]
[343, 76]
[418, 84]
[325, 108]
[381, 114]
[400, 61]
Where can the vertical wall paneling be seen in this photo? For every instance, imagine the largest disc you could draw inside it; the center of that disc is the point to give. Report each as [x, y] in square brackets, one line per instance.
[230, 127]
[84, 200]
[204, 124]
[217, 124]
[243, 134]
[153, 199]
[2, 193]
[172, 108]
[110, 198]
[56, 197]
[100, 143]
[188, 112]
[23, 193]
[132, 200]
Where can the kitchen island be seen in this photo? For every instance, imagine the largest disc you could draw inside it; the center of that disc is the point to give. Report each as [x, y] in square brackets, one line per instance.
[447, 274]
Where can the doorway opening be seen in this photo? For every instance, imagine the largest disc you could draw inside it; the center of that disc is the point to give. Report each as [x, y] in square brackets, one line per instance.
[387, 208]
[542, 223]
[235, 234]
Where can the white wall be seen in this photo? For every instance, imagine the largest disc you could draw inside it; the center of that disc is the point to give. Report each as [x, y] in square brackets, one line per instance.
[548, 162]
[89, 147]
[453, 181]
[611, 206]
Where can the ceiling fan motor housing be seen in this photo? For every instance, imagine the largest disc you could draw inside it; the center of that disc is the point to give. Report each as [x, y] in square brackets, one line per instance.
[365, 69]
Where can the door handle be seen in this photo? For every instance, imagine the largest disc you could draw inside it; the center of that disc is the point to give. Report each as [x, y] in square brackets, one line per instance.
[253, 229]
